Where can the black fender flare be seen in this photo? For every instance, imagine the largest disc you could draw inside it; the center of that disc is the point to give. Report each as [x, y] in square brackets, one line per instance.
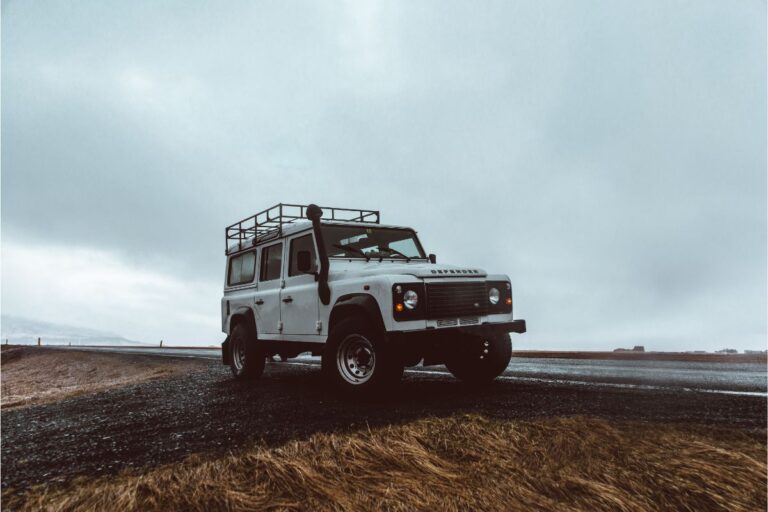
[226, 358]
[360, 303]
[241, 314]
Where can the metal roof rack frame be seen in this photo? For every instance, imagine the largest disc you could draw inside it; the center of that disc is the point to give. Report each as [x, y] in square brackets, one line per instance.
[268, 224]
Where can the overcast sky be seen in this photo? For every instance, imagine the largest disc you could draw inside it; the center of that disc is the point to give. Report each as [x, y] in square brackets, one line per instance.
[609, 156]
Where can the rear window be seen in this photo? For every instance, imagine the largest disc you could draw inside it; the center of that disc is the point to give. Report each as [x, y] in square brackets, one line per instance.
[271, 259]
[242, 268]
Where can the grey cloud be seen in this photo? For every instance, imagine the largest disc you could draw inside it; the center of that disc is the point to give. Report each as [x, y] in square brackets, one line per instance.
[609, 156]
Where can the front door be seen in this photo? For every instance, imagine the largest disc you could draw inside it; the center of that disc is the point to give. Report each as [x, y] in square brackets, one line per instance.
[299, 299]
[267, 298]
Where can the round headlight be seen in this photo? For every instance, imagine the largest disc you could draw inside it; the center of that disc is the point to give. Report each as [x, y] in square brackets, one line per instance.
[493, 296]
[411, 299]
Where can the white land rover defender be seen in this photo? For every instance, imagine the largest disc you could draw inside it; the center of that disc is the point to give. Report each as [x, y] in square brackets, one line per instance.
[362, 295]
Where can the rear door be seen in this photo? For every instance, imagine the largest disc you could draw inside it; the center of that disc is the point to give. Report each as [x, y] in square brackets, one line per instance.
[299, 299]
[267, 298]
[240, 283]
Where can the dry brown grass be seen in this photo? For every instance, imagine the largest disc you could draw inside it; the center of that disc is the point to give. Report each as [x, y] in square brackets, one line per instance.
[34, 375]
[461, 463]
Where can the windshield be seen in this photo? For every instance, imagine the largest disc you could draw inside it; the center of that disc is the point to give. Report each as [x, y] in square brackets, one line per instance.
[371, 242]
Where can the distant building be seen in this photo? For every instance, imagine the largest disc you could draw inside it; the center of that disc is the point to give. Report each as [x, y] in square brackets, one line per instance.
[638, 348]
[756, 351]
[727, 351]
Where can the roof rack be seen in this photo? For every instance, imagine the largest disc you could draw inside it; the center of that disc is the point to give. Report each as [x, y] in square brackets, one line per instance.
[268, 224]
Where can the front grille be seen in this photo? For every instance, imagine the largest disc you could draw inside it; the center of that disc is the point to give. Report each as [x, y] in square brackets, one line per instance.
[456, 299]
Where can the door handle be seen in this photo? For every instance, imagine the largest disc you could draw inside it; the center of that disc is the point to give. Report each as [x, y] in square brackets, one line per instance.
[288, 299]
[259, 302]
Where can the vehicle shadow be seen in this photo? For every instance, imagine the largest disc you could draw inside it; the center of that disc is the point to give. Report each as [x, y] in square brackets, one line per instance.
[296, 399]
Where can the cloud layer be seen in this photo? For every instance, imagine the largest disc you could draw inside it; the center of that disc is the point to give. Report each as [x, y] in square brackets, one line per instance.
[609, 156]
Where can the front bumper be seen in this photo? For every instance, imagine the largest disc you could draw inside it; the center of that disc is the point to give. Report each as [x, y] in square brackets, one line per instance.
[432, 344]
[517, 326]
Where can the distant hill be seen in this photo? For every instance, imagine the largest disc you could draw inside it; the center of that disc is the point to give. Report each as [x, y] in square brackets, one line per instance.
[23, 331]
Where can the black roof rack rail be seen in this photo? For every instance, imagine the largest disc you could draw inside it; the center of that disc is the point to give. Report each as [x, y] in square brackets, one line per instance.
[268, 224]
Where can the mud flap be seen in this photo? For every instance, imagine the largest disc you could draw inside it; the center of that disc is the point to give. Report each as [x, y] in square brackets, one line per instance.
[226, 357]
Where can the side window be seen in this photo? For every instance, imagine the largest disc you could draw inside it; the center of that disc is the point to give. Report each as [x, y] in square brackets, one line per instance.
[271, 259]
[303, 243]
[234, 270]
[248, 268]
[242, 268]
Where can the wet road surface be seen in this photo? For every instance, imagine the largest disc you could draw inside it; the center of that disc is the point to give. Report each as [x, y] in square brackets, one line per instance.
[727, 378]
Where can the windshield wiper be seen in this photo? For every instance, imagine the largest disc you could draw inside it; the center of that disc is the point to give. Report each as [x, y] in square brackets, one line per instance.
[353, 249]
[394, 251]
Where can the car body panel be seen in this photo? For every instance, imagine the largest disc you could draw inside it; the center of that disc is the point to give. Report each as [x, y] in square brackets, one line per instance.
[306, 319]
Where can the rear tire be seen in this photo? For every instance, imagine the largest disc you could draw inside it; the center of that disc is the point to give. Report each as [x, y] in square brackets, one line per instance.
[247, 356]
[480, 359]
[358, 361]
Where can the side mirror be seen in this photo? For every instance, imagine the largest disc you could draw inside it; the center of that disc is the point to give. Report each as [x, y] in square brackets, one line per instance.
[304, 262]
[432, 259]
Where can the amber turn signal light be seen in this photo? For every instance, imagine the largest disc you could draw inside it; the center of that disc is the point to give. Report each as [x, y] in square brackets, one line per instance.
[509, 301]
[399, 307]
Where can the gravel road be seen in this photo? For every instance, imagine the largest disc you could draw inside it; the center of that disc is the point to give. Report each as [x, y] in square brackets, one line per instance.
[206, 411]
[730, 377]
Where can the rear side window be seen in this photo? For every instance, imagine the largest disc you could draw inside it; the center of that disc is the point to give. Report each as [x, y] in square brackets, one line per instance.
[271, 259]
[303, 243]
[242, 269]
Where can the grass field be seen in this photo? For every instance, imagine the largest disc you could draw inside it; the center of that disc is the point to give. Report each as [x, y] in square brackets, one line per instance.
[459, 463]
[35, 375]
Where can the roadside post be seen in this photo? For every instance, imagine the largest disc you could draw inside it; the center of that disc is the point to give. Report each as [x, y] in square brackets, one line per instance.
[38, 341]
[161, 343]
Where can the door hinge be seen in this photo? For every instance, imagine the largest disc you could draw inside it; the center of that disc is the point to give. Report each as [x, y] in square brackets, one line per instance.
[280, 326]
[319, 325]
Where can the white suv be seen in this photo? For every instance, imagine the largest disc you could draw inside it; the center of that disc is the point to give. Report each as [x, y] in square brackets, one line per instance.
[364, 296]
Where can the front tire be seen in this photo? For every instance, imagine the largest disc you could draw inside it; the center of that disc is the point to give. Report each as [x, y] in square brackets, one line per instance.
[357, 359]
[480, 359]
[247, 357]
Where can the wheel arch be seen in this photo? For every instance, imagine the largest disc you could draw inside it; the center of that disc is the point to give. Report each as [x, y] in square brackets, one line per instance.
[362, 304]
[242, 315]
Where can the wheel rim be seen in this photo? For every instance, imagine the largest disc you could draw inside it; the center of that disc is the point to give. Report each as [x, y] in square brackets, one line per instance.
[238, 353]
[356, 359]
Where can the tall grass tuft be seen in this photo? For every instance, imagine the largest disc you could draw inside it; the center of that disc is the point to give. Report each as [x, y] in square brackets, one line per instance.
[452, 464]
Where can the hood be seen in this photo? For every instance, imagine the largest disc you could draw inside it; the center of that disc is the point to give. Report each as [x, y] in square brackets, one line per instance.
[421, 269]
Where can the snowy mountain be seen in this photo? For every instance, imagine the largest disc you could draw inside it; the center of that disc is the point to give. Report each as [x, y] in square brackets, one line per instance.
[23, 331]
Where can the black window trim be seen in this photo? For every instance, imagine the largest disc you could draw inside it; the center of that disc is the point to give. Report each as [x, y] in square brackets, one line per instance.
[239, 256]
[290, 254]
[264, 260]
